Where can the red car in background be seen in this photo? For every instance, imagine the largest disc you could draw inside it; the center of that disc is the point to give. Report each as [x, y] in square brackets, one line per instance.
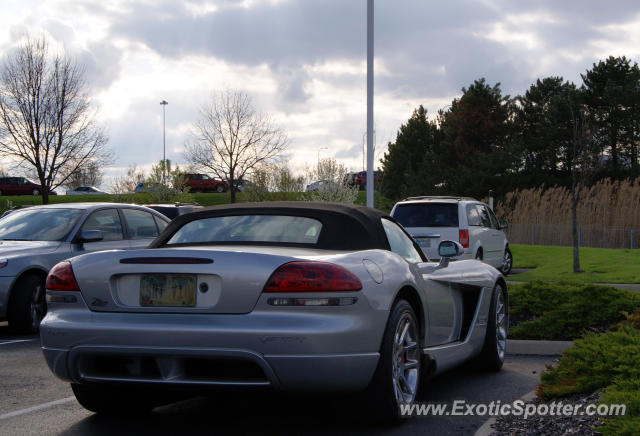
[360, 179]
[204, 183]
[18, 186]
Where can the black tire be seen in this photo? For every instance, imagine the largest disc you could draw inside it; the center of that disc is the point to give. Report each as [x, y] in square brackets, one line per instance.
[1, 193]
[507, 262]
[385, 393]
[479, 254]
[117, 400]
[493, 351]
[27, 304]
[220, 188]
[36, 192]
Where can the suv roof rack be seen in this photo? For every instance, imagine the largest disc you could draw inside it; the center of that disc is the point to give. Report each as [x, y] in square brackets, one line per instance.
[439, 197]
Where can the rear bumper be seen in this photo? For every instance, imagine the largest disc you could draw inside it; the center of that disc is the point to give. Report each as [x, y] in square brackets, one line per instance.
[319, 372]
[295, 351]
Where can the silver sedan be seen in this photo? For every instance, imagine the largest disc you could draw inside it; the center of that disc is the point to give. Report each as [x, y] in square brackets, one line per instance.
[34, 239]
[291, 296]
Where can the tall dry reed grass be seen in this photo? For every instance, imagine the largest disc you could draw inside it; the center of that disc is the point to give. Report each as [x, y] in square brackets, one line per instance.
[608, 215]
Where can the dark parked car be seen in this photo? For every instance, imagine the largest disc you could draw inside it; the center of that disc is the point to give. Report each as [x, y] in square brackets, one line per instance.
[172, 210]
[349, 179]
[18, 186]
[360, 179]
[35, 238]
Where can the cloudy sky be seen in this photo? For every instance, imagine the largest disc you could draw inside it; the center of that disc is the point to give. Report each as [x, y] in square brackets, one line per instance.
[304, 61]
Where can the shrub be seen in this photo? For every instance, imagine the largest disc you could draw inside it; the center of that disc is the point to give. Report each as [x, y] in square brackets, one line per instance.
[593, 363]
[623, 392]
[633, 319]
[607, 362]
[331, 174]
[565, 311]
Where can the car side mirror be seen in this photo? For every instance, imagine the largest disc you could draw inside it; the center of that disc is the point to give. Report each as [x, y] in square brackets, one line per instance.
[90, 236]
[503, 225]
[448, 250]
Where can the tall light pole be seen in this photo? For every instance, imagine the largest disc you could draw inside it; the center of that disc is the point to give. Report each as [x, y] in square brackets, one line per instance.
[364, 152]
[369, 103]
[321, 148]
[164, 104]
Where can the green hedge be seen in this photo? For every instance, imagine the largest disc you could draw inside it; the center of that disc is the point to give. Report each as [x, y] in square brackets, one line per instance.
[609, 362]
[565, 311]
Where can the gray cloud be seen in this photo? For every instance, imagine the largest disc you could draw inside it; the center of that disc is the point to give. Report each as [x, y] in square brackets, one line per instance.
[431, 48]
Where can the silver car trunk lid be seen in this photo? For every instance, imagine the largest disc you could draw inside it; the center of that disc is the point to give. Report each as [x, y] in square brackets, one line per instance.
[225, 279]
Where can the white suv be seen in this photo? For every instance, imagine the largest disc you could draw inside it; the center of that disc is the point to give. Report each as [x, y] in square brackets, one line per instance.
[431, 220]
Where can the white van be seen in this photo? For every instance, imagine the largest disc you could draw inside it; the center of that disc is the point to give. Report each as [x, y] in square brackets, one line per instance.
[431, 220]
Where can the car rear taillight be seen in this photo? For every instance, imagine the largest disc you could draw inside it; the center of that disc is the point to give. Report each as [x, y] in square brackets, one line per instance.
[307, 276]
[463, 238]
[61, 278]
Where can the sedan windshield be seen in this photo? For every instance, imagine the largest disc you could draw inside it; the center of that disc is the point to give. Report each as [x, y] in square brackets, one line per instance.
[38, 224]
[249, 228]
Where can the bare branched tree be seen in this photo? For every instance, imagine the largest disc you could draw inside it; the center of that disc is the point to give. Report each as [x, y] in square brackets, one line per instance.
[47, 123]
[231, 138]
[126, 184]
[90, 173]
[581, 155]
[274, 182]
[328, 176]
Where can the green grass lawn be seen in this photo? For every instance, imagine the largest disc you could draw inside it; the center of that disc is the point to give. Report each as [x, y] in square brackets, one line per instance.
[7, 202]
[209, 199]
[600, 265]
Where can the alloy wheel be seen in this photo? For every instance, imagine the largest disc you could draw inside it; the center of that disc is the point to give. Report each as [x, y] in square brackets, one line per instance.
[507, 260]
[37, 307]
[501, 323]
[405, 360]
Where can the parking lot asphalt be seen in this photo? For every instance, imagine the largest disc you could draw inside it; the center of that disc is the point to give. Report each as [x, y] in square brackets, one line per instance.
[34, 402]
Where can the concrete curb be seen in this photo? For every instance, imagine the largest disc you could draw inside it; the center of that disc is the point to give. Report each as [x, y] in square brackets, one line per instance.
[486, 429]
[541, 348]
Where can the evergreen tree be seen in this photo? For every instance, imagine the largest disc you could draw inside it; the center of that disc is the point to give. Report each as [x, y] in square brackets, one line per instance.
[612, 94]
[476, 153]
[542, 133]
[410, 165]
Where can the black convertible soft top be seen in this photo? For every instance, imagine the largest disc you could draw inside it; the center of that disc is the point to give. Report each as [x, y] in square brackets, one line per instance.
[344, 227]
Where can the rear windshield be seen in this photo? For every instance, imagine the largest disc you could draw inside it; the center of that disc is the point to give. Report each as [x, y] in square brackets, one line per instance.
[427, 215]
[249, 228]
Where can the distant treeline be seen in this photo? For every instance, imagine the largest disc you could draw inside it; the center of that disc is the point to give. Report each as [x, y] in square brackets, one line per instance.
[486, 141]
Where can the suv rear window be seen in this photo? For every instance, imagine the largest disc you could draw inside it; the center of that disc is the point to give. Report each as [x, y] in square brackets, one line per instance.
[427, 215]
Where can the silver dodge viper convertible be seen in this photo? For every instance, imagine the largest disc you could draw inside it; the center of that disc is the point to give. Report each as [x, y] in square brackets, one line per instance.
[292, 296]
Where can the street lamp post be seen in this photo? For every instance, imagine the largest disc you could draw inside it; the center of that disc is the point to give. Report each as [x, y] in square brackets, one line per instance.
[364, 151]
[369, 103]
[164, 103]
[321, 148]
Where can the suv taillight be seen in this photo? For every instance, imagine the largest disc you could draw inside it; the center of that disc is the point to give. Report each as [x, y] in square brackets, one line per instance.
[463, 238]
[61, 278]
[307, 276]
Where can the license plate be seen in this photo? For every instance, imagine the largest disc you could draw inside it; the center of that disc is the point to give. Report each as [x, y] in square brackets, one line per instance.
[424, 242]
[168, 290]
